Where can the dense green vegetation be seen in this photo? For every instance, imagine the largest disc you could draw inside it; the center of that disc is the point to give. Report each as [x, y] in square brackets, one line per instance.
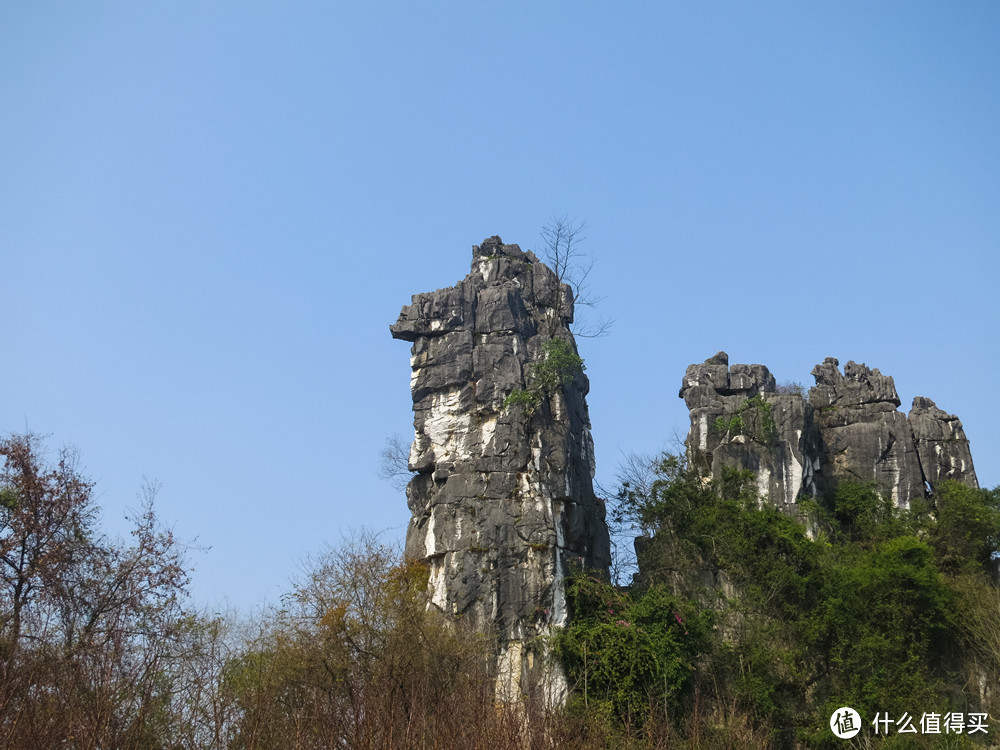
[746, 628]
[785, 620]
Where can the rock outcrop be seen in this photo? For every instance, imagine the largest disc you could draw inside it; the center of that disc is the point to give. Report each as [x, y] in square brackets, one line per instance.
[502, 500]
[848, 428]
[942, 448]
[865, 437]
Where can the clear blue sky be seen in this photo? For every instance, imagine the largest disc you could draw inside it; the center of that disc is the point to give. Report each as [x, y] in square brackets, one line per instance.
[211, 212]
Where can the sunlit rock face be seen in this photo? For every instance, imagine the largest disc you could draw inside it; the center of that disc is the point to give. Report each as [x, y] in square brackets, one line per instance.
[502, 501]
[738, 419]
[848, 428]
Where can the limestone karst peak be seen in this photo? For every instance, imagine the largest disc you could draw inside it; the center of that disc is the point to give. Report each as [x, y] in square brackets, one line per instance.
[848, 428]
[493, 247]
[502, 501]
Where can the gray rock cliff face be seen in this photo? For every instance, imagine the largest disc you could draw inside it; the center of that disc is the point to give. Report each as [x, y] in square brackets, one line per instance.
[848, 428]
[865, 437]
[942, 448]
[739, 419]
[502, 501]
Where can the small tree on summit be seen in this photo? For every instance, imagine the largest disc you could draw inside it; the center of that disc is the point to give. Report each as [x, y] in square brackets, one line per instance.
[562, 238]
[558, 363]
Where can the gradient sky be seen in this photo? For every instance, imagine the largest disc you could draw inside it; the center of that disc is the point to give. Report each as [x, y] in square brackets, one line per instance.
[211, 212]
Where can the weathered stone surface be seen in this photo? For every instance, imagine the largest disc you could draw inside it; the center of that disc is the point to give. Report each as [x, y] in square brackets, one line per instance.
[864, 446]
[865, 438]
[941, 444]
[858, 386]
[503, 500]
[847, 429]
[738, 419]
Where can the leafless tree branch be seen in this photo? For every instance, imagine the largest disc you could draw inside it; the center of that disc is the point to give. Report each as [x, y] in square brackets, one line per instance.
[395, 462]
[561, 239]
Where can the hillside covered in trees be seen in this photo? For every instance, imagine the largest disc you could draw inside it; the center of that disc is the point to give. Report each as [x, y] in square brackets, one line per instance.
[745, 628]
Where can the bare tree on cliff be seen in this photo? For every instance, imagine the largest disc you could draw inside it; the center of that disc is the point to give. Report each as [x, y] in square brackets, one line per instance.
[395, 464]
[562, 238]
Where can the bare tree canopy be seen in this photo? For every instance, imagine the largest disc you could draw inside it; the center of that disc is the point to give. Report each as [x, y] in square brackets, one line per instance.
[394, 466]
[561, 239]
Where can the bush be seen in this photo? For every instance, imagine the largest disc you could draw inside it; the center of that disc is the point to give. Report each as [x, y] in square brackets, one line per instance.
[527, 400]
[966, 534]
[790, 386]
[559, 366]
[628, 654]
[753, 419]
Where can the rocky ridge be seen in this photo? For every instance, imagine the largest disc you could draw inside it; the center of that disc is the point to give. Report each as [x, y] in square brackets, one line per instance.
[502, 499]
[847, 428]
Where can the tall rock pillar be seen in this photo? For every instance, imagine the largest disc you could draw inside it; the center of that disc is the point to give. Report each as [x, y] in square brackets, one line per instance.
[502, 501]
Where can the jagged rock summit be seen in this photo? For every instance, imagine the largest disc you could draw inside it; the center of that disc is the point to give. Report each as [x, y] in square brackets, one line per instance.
[502, 501]
[847, 428]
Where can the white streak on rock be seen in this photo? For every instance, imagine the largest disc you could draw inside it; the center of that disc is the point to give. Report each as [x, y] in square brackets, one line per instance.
[447, 425]
[509, 673]
[489, 428]
[430, 541]
[764, 484]
[436, 584]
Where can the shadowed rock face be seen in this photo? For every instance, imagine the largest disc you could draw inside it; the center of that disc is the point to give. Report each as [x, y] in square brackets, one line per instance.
[848, 429]
[864, 437]
[941, 444]
[502, 501]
